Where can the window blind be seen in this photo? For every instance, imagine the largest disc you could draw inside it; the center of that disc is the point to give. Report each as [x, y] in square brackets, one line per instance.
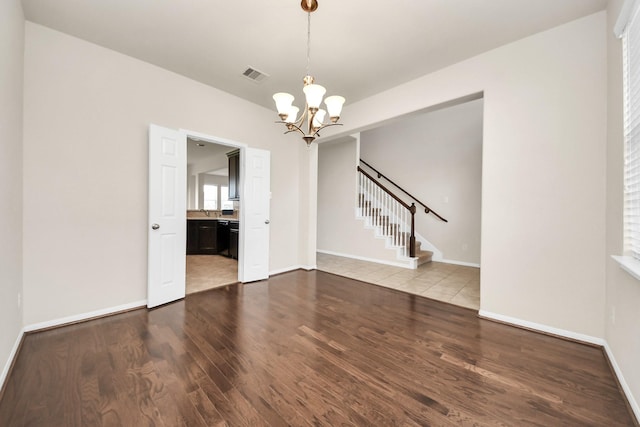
[631, 58]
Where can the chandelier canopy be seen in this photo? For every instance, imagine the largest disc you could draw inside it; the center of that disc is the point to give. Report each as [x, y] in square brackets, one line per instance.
[312, 113]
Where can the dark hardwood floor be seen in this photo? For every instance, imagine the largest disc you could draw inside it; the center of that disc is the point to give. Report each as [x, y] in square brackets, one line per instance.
[302, 349]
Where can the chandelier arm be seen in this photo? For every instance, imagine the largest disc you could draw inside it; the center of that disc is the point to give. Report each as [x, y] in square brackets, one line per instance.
[291, 127]
[326, 126]
[303, 116]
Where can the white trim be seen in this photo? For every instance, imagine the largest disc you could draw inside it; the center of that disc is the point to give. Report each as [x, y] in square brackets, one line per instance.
[428, 246]
[377, 261]
[213, 139]
[629, 264]
[626, 12]
[482, 313]
[574, 336]
[85, 316]
[12, 356]
[292, 268]
[542, 328]
[463, 263]
[243, 149]
[625, 387]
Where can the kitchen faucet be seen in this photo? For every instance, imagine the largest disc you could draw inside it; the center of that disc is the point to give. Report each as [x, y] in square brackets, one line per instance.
[206, 212]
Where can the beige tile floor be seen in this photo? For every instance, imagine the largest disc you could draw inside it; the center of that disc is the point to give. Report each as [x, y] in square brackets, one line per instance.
[210, 271]
[454, 284]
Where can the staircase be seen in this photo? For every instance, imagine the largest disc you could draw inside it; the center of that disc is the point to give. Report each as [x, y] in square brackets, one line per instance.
[390, 219]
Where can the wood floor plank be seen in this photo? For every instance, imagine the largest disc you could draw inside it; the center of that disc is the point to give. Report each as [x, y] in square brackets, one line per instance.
[307, 349]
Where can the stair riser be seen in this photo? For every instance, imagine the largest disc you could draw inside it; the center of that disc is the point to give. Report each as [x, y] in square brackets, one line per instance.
[398, 240]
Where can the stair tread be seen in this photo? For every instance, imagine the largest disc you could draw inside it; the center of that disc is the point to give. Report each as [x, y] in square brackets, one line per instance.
[382, 221]
[424, 253]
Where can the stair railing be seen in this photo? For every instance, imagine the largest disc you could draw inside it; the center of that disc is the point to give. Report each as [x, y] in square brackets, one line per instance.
[383, 206]
[427, 209]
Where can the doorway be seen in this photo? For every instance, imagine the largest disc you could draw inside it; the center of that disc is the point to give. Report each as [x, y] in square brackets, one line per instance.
[167, 238]
[212, 216]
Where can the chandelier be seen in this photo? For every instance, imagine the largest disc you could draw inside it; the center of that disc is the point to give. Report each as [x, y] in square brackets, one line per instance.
[313, 114]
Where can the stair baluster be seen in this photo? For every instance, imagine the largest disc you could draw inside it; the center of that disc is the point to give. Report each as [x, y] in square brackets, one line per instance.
[388, 213]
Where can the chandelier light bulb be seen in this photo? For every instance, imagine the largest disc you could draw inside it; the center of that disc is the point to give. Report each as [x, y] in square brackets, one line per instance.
[314, 94]
[293, 114]
[334, 106]
[318, 119]
[283, 103]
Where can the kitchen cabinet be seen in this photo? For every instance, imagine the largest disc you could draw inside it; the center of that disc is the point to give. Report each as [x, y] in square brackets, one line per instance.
[233, 243]
[234, 174]
[192, 237]
[223, 237]
[202, 237]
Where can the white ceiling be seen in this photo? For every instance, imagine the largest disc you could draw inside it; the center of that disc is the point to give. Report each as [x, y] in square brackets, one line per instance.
[358, 47]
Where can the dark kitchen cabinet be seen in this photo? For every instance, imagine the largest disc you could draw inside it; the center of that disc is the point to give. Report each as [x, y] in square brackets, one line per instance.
[223, 237]
[233, 239]
[234, 174]
[233, 243]
[192, 237]
[202, 237]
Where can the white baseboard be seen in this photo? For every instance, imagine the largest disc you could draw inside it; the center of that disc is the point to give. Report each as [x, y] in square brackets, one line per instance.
[623, 383]
[84, 316]
[463, 263]
[482, 313]
[10, 359]
[574, 336]
[360, 258]
[292, 268]
[542, 328]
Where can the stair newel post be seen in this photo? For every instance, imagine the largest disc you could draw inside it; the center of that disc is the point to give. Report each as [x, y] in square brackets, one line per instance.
[412, 239]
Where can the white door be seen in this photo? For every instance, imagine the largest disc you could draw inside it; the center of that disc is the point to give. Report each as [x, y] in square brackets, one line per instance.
[167, 215]
[254, 221]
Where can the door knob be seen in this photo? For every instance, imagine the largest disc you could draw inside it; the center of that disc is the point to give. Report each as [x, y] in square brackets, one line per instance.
[155, 226]
[266, 221]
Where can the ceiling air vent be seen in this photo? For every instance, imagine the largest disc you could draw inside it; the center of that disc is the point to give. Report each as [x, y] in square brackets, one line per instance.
[254, 75]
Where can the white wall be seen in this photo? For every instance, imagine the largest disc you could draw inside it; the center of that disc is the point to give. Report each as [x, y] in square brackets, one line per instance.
[11, 71]
[437, 157]
[622, 312]
[543, 172]
[87, 111]
[306, 220]
[338, 229]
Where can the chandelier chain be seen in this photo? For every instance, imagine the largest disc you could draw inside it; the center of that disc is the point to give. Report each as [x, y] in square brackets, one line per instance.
[308, 43]
[312, 113]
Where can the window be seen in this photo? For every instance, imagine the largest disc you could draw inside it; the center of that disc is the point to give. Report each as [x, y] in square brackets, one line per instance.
[210, 197]
[225, 203]
[628, 29]
[631, 67]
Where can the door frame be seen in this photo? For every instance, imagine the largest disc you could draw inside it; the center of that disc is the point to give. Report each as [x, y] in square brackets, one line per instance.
[231, 144]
